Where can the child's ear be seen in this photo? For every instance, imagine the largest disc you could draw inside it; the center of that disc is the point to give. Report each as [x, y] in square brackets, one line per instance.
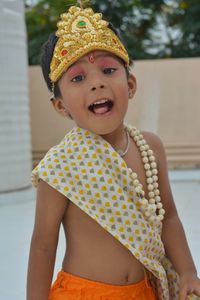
[132, 86]
[59, 107]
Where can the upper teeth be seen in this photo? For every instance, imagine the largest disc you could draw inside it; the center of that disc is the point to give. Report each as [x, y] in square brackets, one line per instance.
[101, 101]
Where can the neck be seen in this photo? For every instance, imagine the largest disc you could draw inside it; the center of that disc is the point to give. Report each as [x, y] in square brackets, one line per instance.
[117, 138]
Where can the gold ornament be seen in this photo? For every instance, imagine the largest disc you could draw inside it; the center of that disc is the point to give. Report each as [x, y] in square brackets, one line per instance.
[81, 31]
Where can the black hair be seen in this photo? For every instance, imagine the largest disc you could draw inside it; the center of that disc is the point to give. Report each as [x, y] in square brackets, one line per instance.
[45, 61]
[47, 54]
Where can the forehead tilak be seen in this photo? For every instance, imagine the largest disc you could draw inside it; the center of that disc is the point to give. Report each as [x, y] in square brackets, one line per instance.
[91, 57]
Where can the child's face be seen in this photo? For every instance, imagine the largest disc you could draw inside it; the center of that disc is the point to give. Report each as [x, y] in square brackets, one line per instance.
[96, 76]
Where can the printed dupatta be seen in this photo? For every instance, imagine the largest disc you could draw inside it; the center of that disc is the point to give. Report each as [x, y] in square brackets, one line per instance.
[90, 173]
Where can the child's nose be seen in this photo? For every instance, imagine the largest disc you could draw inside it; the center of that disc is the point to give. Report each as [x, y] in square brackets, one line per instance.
[97, 86]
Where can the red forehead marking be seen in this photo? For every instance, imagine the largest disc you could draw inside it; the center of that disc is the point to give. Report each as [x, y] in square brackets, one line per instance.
[91, 58]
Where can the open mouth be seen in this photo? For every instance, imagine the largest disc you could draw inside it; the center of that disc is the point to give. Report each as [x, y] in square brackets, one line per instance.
[101, 107]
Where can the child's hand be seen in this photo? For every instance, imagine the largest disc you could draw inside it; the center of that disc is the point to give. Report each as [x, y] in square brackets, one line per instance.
[189, 284]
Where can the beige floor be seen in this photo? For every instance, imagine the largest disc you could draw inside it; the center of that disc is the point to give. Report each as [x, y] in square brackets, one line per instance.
[16, 222]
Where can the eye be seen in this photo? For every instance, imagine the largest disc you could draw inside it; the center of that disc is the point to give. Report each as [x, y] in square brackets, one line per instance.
[109, 70]
[78, 78]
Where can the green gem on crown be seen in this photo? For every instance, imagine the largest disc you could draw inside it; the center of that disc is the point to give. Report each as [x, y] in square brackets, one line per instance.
[81, 24]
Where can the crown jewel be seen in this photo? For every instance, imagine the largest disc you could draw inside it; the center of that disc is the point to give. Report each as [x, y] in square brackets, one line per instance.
[81, 31]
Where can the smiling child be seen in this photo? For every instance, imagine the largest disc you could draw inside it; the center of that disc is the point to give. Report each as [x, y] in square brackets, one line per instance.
[105, 182]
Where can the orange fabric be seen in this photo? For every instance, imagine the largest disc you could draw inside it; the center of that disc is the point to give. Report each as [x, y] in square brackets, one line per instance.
[71, 287]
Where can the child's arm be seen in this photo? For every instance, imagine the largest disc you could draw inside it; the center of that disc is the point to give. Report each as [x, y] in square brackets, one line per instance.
[50, 209]
[173, 235]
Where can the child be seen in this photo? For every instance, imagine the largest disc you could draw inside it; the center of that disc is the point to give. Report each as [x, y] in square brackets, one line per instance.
[105, 182]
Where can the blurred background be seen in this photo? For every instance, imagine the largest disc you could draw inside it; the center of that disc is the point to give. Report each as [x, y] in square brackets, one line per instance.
[163, 39]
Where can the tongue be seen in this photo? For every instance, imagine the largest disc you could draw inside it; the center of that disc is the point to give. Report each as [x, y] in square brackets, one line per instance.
[101, 110]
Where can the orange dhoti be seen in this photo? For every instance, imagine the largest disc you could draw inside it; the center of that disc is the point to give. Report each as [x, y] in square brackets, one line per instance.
[72, 287]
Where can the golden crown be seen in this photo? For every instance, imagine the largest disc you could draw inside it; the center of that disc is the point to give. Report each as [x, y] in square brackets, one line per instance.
[81, 31]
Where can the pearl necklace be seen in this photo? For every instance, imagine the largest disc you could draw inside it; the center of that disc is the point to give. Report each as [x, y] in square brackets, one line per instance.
[120, 151]
[152, 208]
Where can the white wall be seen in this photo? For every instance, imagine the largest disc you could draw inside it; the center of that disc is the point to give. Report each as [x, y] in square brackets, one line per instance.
[167, 102]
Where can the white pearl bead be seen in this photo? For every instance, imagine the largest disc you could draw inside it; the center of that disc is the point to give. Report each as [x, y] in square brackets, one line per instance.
[159, 205]
[139, 143]
[149, 180]
[137, 132]
[146, 147]
[151, 194]
[133, 175]
[152, 200]
[148, 173]
[155, 171]
[155, 178]
[136, 182]
[150, 152]
[157, 192]
[138, 190]
[161, 211]
[157, 198]
[140, 136]
[147, 166]
[155, 185]
[160, 217]
[152, 218]
[142, 148]
[144, 153]
[153, 165]
[149, 207]
[154, 207]
[143, 142]
[136, 138]
[152, 158]
[145, 160]
[150, 187]
[142, 193]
